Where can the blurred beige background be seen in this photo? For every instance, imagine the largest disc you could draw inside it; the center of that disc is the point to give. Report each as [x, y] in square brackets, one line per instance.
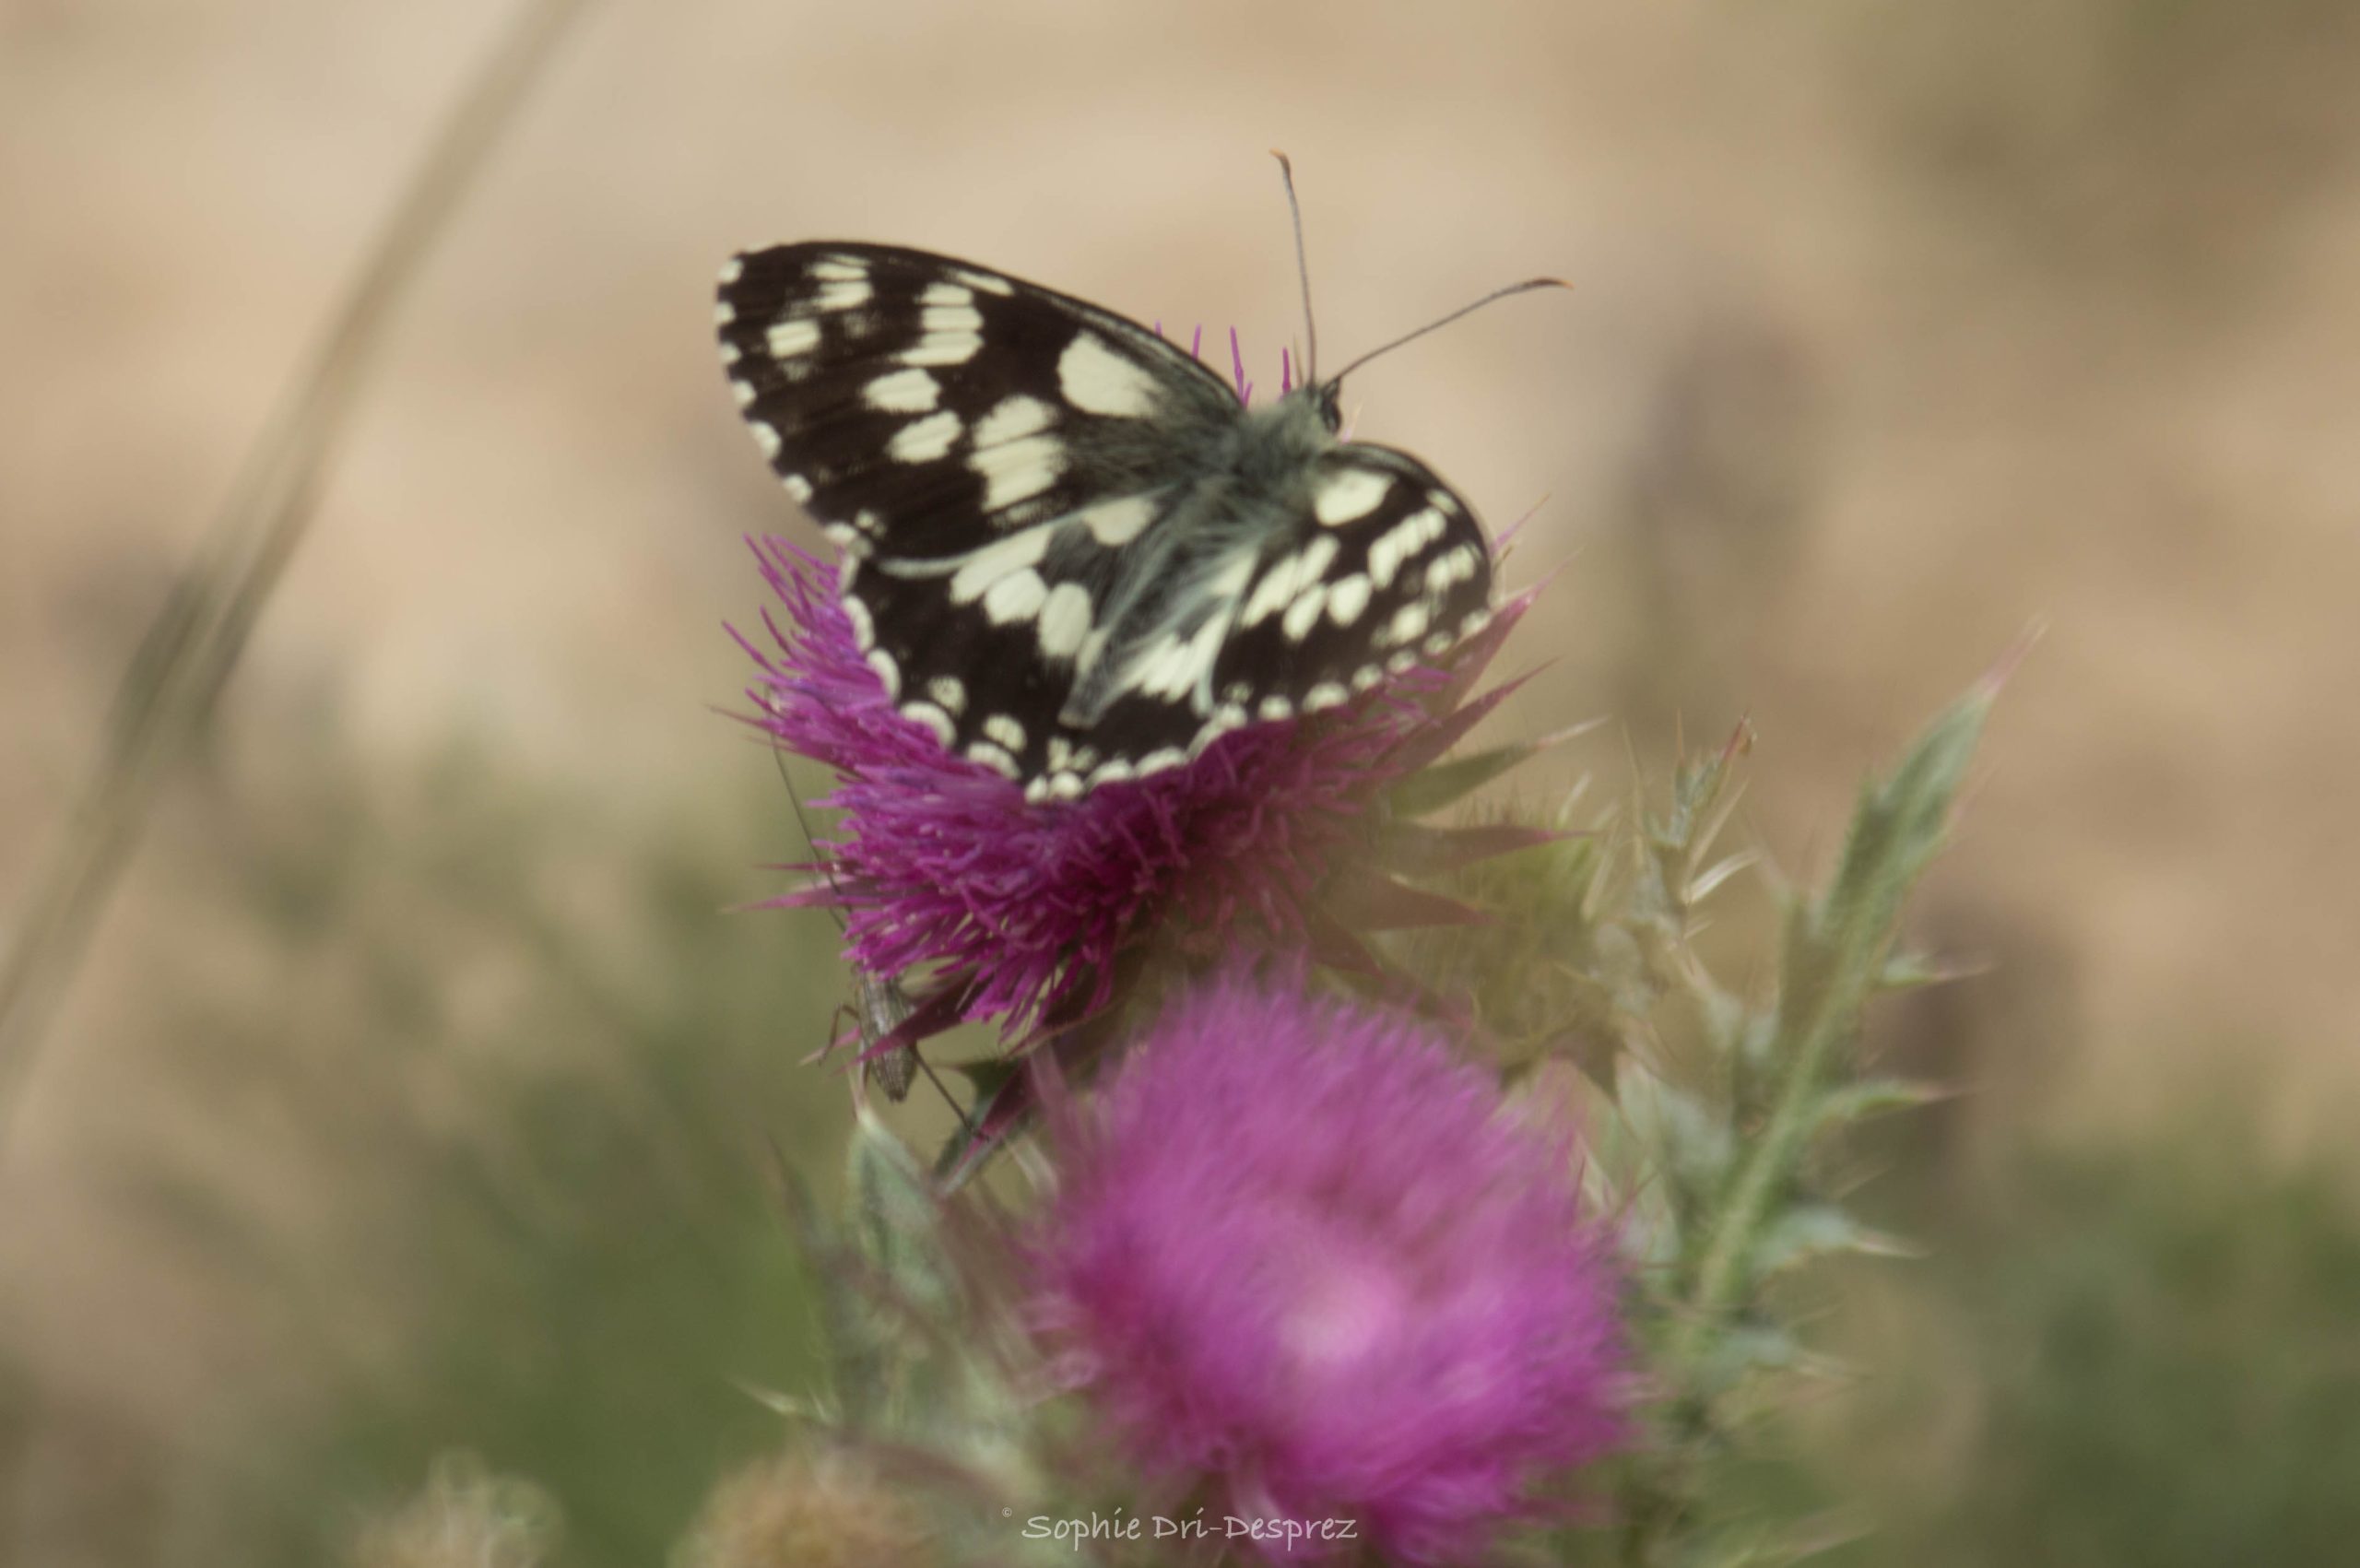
[1897, 329]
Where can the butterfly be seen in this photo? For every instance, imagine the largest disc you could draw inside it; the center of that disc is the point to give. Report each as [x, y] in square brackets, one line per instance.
[1070, 549]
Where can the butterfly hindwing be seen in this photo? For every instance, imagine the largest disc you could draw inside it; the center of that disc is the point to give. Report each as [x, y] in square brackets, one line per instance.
[1386, 568]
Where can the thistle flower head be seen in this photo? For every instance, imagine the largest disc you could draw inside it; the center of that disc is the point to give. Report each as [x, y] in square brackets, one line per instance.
[1018, 909]
[1298, 1250]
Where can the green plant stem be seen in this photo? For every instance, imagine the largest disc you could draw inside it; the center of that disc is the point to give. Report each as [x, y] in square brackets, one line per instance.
[1836, 949]
[170, 691]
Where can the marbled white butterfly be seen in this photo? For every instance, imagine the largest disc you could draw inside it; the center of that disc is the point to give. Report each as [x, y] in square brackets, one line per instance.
[1071, 550]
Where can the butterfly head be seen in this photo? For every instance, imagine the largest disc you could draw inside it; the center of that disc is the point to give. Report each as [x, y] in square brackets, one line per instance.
[1327, 392]
[1327, 398]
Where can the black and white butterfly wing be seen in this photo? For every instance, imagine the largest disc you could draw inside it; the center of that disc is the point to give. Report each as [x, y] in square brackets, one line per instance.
[1070, 551]
[982, 448]
[1386, 568]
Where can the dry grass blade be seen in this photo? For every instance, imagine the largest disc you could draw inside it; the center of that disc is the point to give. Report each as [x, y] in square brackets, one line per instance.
[191, 647]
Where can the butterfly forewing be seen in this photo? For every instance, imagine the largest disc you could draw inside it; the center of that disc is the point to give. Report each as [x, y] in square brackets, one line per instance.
[1070, 550]
[983, 449]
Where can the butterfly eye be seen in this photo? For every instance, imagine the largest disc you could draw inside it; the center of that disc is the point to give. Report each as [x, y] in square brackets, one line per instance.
[1331, 412]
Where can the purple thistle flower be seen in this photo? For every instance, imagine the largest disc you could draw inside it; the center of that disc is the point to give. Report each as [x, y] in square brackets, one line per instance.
[1299, 1249]
[1018, 910]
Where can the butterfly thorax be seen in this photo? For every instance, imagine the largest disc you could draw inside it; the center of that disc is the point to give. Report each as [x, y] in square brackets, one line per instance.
[1184, 574]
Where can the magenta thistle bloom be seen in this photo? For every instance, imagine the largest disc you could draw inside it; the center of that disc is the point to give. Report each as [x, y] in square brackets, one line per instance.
[1298, 1249]
[1017, 910]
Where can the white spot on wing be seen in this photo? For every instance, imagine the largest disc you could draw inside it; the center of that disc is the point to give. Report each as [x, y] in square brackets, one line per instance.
[927, 439]
[1015, 597]
[1408, 625]
[949, 692]
[943, 348]
[1303, 614]
[1349, 495]
[1017, 552]
[1452, 567]
[1286, 579]
[1016, 461]
[887, 670]
[1346, 598]
[1065, 620]
[1175, 668]
[1400, 542]
[934, 718]
[902, 392]
[839, 269]
[946, 294]
[984, 281]
[1013, 418]
[799, 488]
[1017, 471]
[864, 631]
[1004, 730]
[1099, 380]
[1117, 521]
[951, 318]
[1326, 694]
[846, 296]
[789, 338]
[732, 270]
[764, 437]
[995, 758]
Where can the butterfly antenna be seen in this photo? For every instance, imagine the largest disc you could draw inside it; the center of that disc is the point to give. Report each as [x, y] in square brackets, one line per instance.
[1527, 287]
[1303, 270]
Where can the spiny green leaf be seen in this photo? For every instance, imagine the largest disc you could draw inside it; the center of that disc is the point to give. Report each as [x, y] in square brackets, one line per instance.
[1744, 1348]
[1703, 885]
[1912, 970]
[1812, 1230]
[1430, 789]
[1689, 1144]
[1902, 820]
[1857, 1102]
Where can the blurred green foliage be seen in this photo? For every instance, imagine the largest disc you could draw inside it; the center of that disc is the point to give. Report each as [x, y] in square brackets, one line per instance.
[2165, 1340]
[513, 1079]
[2140, 1353]
[530, 1079]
